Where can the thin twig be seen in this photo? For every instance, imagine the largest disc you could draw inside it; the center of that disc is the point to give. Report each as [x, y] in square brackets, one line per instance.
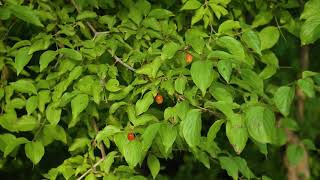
[121, 62]
[75, 6]
[280, 29]
[94, 31]
[181, 97]
[98, 33]
[89, 170]
[208, 110]
[91, 28]
[101, 147]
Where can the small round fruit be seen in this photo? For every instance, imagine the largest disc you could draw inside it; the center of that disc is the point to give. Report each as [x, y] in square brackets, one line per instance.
[130, 136]
[188, 58]
[159, 99]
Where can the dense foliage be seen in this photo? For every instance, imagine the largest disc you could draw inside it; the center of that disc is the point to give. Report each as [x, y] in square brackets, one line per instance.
[202, 89]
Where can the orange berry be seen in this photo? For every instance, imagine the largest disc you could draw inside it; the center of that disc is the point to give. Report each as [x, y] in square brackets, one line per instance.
[159, 99]
[188, 58]
[130, 136]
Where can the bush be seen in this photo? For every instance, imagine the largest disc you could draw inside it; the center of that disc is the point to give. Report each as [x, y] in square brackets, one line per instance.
[160, 89]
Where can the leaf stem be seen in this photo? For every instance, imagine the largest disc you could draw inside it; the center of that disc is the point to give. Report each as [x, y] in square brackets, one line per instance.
[121, 62]
[101, 147]
[89, 170]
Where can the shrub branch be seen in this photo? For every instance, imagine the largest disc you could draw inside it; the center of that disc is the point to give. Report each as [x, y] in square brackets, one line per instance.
[89, 170]
[121, 62]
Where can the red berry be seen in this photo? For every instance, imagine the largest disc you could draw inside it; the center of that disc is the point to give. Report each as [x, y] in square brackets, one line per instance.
[188, 58]
[159, 99]
[130, 136]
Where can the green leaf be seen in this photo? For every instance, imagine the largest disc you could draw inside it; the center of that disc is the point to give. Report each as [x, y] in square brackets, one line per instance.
[243, 167]
[71, 53]
[225, 69]
[254, 81]
[113, 85]
[252, 40]
[310, 30]
[11, 143]
[202, 75]
[131, 150]
[228, 26]
[198, 15]
[7, 121]
[192, 127]
[290, 124]
[109, 20]
[154, 165]
[194, 37]
[202, 157]
[26, 123]
[307, 86]
[263, 18]
[26, 14]
[90, 176]
[180, 84]
[120, 95]
[143, 119]
[32, 104]
[53, 113]
[220, 55]
[24, 86]
[269, 37]
[135, 15]
[46, 58]
[1, 93]
[150, 69]
[268, 72]
[160, 13]
[237, 132]
[34, 151]
[133, 153]
[16, 103]
[294, 154]
[22, 58]
[229, 165]
[233, 46]
[191, 4]
[79, 144]
[75, 73]
[143, 104]
[43, 98]
[182, 109]
[311, 8]
[148, 135]
[78, 104]
[40, 44]
[108, 161]
[169, 50]
[283, 98]
[107, 132]
[218, 9]
[86, 15]
[4, 13]
[306, 74]
[144, 6]
[213, 130]
[221, 94]
[260, 122]
[223, 106]
[309, 145]
[113, 108]
[151, 23]
[168, 134]
[169, 112]
[56, 132]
